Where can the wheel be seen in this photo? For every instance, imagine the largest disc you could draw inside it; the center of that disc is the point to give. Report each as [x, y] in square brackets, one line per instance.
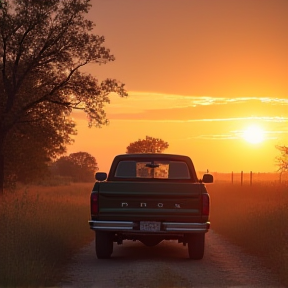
[103, 244]
[196, 244]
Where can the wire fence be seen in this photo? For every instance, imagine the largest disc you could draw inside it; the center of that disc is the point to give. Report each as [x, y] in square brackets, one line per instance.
[248, 178]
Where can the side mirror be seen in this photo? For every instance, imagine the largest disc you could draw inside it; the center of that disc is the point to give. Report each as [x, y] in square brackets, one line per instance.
[207, 178]
[101, 176]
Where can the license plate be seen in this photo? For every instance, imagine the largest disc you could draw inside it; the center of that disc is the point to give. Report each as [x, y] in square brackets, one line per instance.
[151, 226]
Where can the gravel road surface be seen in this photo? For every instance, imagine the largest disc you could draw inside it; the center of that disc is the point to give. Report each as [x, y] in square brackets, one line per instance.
[167, 265]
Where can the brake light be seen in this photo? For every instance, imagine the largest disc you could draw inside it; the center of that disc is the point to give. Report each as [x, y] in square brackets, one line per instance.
[205, 204]
[94, 204]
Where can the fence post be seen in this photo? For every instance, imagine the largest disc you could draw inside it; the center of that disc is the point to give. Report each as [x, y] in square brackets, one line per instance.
[250, 178]
[232, 180]
[241, 178]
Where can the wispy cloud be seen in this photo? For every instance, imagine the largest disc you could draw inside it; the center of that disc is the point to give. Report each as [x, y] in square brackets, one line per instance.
[216, 137]
[150, 109]
[156, 106]
[198, 100]
[265, 119]
[238, 134]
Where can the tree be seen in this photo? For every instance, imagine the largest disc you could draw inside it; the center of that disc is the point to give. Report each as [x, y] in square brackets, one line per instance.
[282, 161]
[147, 145]
[80, 166]
[43, 45]
[33, 145]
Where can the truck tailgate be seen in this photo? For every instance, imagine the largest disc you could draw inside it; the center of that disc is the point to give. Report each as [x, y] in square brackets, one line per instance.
[151, 201]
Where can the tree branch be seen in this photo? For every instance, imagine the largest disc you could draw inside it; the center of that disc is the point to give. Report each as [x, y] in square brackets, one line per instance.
[56, 88]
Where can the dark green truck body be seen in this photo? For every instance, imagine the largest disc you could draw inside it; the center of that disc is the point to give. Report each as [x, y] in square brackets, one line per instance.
[150, 198]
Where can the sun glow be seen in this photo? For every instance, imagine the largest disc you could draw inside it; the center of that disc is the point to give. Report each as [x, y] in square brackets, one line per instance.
[253, 134]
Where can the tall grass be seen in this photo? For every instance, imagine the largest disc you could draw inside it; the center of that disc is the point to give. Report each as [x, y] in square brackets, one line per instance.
[254, 217]
[40, 229]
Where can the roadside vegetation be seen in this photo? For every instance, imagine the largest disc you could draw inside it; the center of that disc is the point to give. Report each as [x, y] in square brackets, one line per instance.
[254, 217]
[41, 228]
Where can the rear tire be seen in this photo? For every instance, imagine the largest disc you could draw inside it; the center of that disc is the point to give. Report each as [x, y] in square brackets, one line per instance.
[196, 244]
[103, 244]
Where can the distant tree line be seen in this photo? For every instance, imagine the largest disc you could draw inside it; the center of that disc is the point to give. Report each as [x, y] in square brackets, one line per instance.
[75, 167]
[79, 167]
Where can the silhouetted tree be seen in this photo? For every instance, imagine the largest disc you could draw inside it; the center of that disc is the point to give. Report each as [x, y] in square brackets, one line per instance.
[80, 166]
[43, 44]
[31, 146]
[147, 145]
[282, 161]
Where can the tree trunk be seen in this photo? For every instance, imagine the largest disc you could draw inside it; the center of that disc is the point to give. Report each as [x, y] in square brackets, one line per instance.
[1, 174]
[2, 159]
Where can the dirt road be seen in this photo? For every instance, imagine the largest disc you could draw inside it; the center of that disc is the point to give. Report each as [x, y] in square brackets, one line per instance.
[167, 265]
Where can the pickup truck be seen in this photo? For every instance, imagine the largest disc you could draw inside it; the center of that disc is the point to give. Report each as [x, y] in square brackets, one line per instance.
[150, 198]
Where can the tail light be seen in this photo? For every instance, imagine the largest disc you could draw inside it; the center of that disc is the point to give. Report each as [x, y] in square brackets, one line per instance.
[94, 204]
[205, 204]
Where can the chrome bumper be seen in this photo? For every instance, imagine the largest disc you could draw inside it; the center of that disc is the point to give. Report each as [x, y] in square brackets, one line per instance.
[133, 227]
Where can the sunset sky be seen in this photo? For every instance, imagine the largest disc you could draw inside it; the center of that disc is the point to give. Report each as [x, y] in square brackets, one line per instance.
[198, 75]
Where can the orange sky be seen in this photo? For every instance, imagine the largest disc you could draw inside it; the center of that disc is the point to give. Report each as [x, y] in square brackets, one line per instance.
[198, 73]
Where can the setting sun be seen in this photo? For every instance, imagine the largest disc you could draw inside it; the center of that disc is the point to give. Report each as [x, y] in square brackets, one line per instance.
[253, 134]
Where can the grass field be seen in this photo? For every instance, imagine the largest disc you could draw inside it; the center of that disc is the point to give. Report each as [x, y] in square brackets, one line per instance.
[41, 228]
[255, 218]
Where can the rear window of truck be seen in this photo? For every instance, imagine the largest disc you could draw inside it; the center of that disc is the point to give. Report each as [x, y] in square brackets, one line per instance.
[154, 169]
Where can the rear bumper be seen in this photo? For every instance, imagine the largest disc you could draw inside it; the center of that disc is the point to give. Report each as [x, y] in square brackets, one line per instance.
[134, 227]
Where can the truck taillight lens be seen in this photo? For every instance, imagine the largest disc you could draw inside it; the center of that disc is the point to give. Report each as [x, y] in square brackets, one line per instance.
[94, 204]
[205, 204]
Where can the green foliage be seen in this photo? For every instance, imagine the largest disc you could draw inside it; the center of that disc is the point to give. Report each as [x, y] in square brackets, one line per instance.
[43, 44]
[80, 167]
[147, 145]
